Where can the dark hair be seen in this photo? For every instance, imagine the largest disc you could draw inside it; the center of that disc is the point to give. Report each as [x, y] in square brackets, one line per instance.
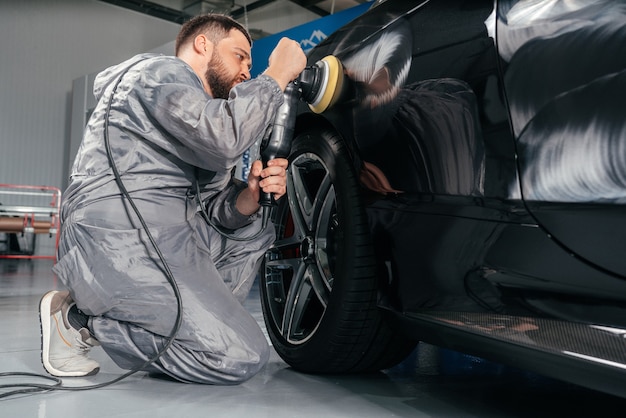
[215, 26]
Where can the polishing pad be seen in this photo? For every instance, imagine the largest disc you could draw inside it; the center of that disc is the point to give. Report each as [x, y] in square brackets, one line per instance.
[331, 84]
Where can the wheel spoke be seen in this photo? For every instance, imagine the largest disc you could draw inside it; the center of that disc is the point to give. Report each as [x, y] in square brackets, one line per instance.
[305, 290]
[299, 199]
[325, 223]
[304, 197]
[320, 285]
[297, 298]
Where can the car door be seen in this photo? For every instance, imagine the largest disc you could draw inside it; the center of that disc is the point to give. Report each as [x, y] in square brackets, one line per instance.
[565, 78]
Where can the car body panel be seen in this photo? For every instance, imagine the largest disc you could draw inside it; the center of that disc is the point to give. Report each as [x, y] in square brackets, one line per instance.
[410, 93]
[565, 81]
[428, 112]
[489, 138]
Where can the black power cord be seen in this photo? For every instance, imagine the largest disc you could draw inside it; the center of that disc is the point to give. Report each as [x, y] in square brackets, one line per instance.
[41, 388]
[58, 383]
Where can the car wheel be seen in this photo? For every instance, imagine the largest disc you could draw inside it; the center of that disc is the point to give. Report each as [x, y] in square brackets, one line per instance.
[318, 281]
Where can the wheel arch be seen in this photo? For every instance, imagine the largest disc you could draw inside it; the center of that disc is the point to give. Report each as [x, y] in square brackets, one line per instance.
[308, 121]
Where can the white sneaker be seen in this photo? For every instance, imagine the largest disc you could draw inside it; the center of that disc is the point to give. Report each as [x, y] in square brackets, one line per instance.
[64, 349]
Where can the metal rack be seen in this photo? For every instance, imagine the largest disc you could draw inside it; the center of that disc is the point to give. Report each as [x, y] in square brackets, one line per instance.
[28, 211]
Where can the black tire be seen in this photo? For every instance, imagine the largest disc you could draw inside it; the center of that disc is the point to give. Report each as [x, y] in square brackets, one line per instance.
[318, 281]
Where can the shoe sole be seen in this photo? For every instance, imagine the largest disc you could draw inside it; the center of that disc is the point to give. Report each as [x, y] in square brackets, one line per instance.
[44, 323]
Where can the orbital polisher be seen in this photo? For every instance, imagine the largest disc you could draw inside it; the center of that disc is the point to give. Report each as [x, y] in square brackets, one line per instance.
[320, 86]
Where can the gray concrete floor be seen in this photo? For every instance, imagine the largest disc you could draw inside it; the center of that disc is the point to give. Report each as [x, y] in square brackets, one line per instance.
[431, 382]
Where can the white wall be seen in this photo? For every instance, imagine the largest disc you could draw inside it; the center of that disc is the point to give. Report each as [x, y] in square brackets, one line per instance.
[44, 46]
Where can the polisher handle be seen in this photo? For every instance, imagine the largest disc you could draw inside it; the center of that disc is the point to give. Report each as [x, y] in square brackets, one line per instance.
[278, 143]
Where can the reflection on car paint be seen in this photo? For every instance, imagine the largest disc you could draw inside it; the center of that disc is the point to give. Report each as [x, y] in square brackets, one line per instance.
[566, 87]
[377, 68]
[450, 111]
[429, 131]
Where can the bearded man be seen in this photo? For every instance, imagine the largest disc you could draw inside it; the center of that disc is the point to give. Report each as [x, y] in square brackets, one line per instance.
[160, 243]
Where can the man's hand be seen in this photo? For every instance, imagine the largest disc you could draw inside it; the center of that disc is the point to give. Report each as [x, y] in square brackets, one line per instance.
[286, 62]
[271, 179]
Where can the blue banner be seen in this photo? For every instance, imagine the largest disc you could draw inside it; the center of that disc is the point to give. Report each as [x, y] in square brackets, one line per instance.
[309, 35]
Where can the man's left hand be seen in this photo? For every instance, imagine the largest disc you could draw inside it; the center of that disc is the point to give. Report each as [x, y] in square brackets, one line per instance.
[271, 179]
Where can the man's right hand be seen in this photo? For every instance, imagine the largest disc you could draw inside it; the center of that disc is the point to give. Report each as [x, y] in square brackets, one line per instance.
[286, 62]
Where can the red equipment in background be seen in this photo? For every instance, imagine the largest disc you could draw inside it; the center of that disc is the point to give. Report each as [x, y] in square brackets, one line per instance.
[28, 211]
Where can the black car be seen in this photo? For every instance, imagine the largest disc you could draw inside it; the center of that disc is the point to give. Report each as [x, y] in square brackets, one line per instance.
[467, 190]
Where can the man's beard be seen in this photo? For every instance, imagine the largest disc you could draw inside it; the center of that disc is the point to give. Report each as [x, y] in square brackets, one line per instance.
[218, 79]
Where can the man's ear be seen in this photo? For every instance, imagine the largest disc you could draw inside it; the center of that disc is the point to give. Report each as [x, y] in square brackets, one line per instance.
[203, 46]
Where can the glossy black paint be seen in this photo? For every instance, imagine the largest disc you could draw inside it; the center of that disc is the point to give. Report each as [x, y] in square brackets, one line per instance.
[442, 115]
[490, 139]
[565, 79]
[435, 96]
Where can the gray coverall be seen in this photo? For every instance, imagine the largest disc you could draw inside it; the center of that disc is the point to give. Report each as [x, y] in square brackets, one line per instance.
[165, 133]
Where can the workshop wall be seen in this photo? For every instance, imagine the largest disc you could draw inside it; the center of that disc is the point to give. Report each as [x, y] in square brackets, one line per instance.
[45, 45]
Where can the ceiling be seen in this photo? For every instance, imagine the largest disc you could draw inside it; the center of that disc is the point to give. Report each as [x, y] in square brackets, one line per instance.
[179, 11]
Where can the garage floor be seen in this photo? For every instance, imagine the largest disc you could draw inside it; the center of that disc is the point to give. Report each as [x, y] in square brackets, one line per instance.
[432, 382]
